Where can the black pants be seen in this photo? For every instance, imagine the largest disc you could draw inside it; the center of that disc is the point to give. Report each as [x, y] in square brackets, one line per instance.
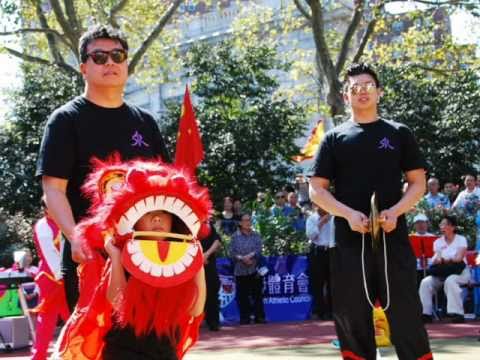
[352, 313]
[70, 276]
[212, 304]
[250, 297]
[319, 276]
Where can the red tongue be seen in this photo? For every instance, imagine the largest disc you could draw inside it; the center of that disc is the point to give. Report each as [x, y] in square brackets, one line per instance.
[163, 247]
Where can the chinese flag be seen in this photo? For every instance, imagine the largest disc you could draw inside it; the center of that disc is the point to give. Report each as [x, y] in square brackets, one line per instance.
[189, 151]
[310, 148]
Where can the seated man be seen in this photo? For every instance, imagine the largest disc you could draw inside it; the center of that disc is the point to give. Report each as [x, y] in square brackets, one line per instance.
[420, 222]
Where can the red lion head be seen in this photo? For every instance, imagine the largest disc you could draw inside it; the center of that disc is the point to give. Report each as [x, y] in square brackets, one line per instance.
[122, 192]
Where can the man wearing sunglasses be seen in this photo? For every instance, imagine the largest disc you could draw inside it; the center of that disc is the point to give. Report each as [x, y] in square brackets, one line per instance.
[95, 124]
[368, 154]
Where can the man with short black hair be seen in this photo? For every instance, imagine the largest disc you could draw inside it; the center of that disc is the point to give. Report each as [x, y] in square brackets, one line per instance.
[362, 156]
[96, 124]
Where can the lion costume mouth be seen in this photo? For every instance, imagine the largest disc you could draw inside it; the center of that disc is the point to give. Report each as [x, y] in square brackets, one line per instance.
[170, 204]
[155, 253]
[133, 189]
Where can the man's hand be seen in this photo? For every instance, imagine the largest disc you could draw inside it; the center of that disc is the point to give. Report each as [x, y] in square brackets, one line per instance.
[358, 221]
[388, 220]
[79, 253]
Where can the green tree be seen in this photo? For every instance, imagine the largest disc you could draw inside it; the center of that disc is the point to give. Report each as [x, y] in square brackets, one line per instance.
[349, 43]
[43, 90]
[443, 113]
[248, 133]
[54, 29]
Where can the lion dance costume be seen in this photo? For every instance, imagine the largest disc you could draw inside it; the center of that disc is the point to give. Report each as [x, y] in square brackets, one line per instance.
[52, 303]
[160, 286]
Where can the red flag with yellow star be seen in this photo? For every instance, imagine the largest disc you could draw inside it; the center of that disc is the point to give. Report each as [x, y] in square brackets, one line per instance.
[189, 152]
[310, 148]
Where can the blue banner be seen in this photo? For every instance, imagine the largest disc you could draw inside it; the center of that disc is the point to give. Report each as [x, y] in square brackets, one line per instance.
[285, 289]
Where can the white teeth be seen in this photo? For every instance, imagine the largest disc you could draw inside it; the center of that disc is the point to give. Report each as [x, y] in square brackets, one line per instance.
[133, 216]
[190, 220]
[178, 268]
[187, 259]
[196, 228]
[168, 271]
[192, 250]
[146, 266]
[159, 200]
[141, 208]
[137, 258]
[156, 270]
[168, 204]
[177, 206]
[131, 248]
[150, 203]
[123, 226]
[184, 211]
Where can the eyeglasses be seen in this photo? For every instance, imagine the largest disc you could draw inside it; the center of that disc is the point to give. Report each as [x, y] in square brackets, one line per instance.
[100, 57]
[368, 87]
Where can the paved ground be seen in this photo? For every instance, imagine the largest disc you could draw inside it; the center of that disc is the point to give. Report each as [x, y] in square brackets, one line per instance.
[308, 340]
[453, 349]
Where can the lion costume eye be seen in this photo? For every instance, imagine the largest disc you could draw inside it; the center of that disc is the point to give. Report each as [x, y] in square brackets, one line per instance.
[110, 182]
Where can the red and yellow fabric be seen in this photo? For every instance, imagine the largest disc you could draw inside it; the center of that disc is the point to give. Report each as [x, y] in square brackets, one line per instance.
[311, 146]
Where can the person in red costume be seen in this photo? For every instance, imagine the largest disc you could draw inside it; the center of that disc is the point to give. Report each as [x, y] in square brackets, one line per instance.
[142, 295]
[52, 301]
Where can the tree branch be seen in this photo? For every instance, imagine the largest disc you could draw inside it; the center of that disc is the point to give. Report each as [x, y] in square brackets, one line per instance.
[318, 27]
[37, 30]
[114, 11]
[369, 31]
[153, 35]
[347, 38]
[431, 69]
[62, 21]
[303, 10]
[52, 45]
[72, 18]
[64, 66]
[363, 42]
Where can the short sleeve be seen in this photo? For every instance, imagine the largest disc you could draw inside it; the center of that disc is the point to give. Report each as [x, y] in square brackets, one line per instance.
[159, 143]
[462, 242]
[437, 245]
[57, 151]
[324, 159]
[411, 157]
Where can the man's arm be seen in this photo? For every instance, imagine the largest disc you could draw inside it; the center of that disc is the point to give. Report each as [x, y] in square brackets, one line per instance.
[415, 191]
[320, 195]
[55, 190]
[211, 250]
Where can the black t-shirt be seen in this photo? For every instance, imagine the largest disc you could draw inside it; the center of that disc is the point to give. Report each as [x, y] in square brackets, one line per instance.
[360, 159]
[207, 244]
[80, 130]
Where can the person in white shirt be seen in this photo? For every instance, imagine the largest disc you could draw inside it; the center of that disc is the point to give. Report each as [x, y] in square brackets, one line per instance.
[470, 194]
[449, 248]
[319, 229]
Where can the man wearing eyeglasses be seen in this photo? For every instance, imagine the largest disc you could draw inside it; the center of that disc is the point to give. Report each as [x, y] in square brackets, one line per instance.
[95, 124]
[364, 155]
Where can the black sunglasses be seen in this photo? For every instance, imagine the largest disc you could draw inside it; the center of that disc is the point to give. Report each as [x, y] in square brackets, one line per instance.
[100, 57]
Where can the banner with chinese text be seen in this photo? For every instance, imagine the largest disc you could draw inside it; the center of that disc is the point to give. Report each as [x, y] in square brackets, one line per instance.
[285, 289]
